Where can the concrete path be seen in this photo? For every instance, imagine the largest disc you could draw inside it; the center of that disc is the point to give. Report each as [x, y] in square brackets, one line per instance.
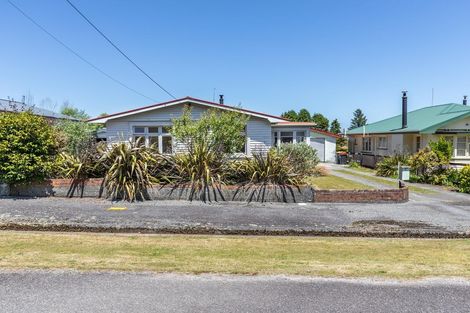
[70, 292]
[416, 218]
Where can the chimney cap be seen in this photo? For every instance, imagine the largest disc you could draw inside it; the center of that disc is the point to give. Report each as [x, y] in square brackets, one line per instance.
[404, 92]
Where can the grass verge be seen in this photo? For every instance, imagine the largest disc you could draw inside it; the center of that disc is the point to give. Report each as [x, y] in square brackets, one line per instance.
[335, 182]
[386, 181]
[339, 257]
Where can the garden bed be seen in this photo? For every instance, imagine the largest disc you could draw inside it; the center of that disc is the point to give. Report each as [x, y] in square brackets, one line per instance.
[93, 188]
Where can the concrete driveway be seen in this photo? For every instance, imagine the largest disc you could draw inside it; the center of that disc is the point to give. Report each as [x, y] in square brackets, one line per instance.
[66, 291]
[430, 218]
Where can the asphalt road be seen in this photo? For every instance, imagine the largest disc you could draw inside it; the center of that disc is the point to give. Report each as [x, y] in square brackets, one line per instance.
[416, 217]
[66, 291]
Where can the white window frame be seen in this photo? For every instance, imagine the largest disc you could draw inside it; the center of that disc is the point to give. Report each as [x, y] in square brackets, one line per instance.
[276, 135]
[466, 144]
[367, 142]
[382, 143]
[147, 135]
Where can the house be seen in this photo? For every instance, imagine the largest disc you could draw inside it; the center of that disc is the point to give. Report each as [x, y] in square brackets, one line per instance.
[7, 105]
[412, 131]
[153, 123]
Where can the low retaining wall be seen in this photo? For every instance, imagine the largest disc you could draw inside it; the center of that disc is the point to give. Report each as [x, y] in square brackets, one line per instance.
[92, 187]
[4, 190]
[358, 196]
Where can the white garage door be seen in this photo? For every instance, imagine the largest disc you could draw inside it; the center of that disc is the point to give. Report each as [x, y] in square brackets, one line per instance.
[319, 145]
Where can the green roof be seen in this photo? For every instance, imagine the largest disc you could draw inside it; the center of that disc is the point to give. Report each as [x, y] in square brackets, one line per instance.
[426, 120]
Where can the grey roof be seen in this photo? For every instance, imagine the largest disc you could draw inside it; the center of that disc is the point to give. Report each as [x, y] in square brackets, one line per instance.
[11, 106]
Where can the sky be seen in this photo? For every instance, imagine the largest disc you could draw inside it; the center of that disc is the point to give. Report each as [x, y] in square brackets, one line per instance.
[330, 57]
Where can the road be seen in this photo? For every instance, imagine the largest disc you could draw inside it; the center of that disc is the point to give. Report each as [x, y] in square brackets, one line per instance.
[68, 291]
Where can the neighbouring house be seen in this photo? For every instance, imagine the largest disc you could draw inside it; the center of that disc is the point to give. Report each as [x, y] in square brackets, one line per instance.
[154, 122]
[412, 131]
[7, 105]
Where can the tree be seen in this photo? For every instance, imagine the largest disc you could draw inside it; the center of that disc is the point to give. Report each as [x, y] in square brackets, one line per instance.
[72, 111]
[76, 136]
[290, 115]
[321, 121]
[27, 147]
[358, 120]
[220, 131]
[335, 127]
[304, 116]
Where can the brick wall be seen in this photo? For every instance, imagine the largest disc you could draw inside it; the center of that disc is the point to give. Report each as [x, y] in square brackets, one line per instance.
[358, 196]
[91, 188]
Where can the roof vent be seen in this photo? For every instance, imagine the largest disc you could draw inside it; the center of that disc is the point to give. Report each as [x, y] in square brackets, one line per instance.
[221, 99]
[464, 102]
[404, 110]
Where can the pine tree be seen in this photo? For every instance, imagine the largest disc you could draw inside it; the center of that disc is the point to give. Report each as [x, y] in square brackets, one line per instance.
[321, 121]
[290, 115]
[358, 120]
[335, 126]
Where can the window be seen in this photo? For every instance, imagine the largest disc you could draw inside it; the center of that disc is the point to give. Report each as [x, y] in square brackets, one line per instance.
[383, 143]
[300, 136]
[275, 139]
[167, 145]
[366, 144]
[461, 146]
[287, 137]
[418, 143]
[153, 130]
[139, 130]
[154, 136]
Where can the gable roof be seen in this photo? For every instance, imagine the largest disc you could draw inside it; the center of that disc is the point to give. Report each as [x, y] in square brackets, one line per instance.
[104, 119]
[326, 133]
[425, 120]
[15, 106]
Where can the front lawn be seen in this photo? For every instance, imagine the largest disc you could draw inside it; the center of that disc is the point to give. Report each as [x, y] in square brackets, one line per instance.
[335, 182]
[339, 257]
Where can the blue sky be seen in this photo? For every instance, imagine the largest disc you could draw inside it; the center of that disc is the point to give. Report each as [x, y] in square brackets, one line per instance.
[327, 56]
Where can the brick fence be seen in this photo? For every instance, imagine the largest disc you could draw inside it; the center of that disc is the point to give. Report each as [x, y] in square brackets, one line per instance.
[357, 196]
[91, 188]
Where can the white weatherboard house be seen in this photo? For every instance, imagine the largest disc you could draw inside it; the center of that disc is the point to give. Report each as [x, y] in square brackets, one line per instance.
[154, 122]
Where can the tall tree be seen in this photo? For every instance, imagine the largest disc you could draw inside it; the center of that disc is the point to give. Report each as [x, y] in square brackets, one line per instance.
[321, 121]
[358, 120]
[290, 115]
[304, 116]
[335, 126]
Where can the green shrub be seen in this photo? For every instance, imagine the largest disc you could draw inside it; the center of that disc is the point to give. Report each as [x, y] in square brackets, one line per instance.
[429, 166]
[27, 147]
[354, 164]
[128, 170]
[464, 179]
[426, 164]
[75, 136]
[388, 167]
[302, 156]
[443, 149]
[261, 172]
